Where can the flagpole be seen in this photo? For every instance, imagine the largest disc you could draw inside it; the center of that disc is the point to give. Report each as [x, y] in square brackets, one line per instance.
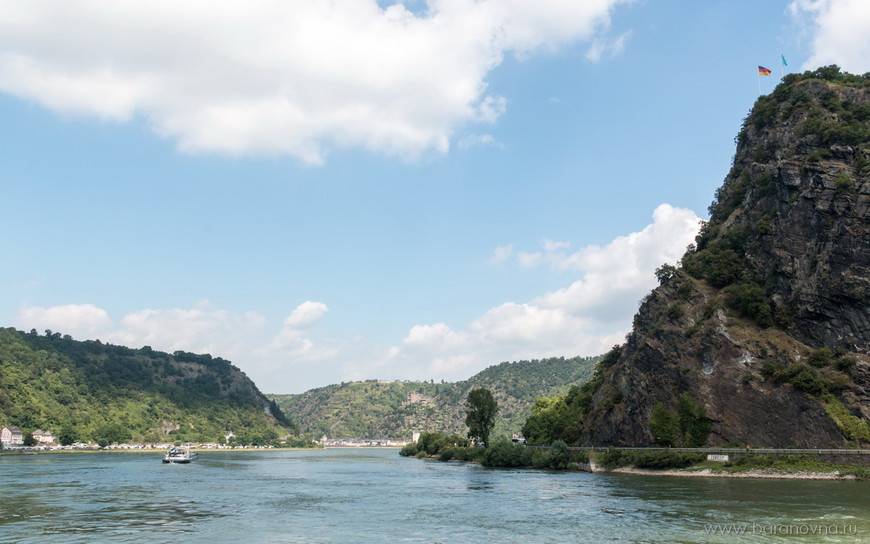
[758, 77]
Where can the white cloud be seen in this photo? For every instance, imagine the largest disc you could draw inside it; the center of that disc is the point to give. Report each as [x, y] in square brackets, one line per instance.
[431, 336]
[585, 318]
[552, 245]
[306, 314]
[501, 254]
[840, 32]
[78, 320]
[528, 260]
[295, 77]
[606, 46]
[272, 358]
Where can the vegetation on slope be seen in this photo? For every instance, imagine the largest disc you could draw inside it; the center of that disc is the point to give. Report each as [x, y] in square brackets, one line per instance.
[90, 391]
[373, 409]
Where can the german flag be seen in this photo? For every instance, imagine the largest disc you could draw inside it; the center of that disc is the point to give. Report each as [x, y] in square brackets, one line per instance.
[762, 71]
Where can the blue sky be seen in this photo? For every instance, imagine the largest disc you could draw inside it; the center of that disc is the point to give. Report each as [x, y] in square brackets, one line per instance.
[325, 192]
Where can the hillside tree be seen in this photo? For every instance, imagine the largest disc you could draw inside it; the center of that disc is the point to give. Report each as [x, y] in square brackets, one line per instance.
[481, 409]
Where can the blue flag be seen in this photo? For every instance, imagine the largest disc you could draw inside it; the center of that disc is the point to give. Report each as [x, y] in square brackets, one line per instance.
[784, 63]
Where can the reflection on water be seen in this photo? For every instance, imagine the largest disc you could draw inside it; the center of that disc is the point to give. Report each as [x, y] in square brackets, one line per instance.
[350, 496]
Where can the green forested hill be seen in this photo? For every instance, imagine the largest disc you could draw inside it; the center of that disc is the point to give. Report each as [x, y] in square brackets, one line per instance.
[91, 391]
[374, 409]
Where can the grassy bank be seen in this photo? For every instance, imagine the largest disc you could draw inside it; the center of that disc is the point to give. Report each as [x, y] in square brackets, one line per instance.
[696, 464]
[504, 453]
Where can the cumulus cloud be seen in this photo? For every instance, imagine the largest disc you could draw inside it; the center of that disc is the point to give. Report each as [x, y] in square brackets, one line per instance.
[305, 315]
[295, 77]
[839, 32]
[501, 254]
[80, 320]
[272, 358]
[585, 318]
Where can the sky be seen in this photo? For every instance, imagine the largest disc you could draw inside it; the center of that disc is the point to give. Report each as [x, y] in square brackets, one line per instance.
[328, 191]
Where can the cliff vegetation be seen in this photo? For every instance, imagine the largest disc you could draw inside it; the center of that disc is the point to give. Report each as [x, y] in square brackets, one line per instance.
[761, 334]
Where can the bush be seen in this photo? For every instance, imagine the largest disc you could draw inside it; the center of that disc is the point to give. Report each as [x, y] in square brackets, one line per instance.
[807, 380]
[432, 444]
[611, 459]
[559, 455]
[409, 450]
[862, 473]
[821, 357]
[504, 453]
[844, 183]
[469, 454]
[676, 311]
[750, 300]
[664, 459]
[447, 454]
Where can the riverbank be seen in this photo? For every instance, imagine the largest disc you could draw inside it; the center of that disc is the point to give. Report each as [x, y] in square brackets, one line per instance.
[148, 450]
[751, 473]
[772, 464]
[834, 474]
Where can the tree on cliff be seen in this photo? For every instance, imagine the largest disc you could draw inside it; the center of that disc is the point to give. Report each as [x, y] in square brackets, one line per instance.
[482, 408]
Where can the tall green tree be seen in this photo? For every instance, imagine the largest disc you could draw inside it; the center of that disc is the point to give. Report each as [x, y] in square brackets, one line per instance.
[481, 411]
[67, 435]
[687, 426]
[664, 425]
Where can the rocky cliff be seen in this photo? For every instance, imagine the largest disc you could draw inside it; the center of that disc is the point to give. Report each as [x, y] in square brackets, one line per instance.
[765, 325]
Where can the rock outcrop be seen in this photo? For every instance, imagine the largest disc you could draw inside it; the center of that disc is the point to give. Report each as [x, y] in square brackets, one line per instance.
[766, 323]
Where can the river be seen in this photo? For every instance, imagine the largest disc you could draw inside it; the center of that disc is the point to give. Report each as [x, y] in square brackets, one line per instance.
[361, 496]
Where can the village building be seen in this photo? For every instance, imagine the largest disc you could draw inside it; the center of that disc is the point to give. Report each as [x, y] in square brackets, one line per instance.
[44, 437]
[11, 437]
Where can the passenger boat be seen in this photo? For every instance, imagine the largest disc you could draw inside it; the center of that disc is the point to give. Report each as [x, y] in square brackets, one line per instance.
[180, 455]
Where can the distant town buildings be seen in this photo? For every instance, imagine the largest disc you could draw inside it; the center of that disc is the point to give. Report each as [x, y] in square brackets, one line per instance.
[44, 437]
[327, 442]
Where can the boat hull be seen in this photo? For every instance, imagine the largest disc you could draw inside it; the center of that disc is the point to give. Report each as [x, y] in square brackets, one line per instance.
[180, 456]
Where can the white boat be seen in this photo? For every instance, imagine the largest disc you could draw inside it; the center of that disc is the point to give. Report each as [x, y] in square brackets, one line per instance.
[180, 455]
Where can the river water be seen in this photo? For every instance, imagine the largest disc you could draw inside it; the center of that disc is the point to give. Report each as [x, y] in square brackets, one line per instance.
[361, 496]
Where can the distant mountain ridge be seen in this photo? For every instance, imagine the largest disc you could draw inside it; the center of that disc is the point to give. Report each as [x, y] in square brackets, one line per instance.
[91, 391]
[394, 410]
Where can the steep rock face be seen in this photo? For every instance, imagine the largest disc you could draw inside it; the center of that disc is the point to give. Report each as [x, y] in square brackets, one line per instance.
[767, 323]
[808, 231]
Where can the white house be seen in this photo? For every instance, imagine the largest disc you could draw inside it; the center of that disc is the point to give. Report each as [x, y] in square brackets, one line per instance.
[11, 436]
[44, 437]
